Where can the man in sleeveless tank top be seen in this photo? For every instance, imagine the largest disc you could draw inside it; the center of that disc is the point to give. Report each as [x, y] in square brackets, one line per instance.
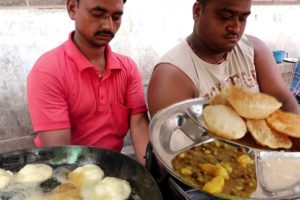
[214, 55]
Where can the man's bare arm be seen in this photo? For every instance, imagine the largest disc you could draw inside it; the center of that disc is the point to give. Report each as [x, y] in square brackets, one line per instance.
[55, 138]
[168, 85]
[269, 78]
[139, 131]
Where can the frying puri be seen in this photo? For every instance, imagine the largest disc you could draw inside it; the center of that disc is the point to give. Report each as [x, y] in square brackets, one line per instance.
[34, 173]
[110, 188]
[86, 174]
[5, 178]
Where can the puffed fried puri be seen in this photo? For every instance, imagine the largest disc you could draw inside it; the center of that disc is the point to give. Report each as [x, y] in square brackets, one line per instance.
[284, 122]
[266, 136]
[34, 173]
[224, 122]
[252, 105]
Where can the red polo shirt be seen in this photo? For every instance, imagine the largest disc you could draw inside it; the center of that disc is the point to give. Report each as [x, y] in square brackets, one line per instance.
[65, 90]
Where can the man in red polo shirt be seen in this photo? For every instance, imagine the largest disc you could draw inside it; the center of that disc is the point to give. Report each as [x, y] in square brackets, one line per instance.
[81, 92]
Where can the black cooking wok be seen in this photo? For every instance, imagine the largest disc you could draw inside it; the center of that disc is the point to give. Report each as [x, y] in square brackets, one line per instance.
[112, 163]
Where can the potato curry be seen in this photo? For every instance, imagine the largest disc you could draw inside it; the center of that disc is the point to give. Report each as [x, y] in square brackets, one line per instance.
[217, 167]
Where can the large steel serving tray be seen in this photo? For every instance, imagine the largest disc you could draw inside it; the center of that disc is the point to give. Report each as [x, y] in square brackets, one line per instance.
[181, 126]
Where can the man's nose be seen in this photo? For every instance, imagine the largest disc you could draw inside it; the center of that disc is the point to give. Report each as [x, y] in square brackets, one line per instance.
[108, 23]
[234, 26]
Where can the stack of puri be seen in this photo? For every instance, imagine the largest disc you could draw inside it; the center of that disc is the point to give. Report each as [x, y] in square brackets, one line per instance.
[234, 112]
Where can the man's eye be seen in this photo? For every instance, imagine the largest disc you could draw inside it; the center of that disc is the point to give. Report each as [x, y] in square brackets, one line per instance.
[243, 19]
[97, 14]
[116, 17]
[225, 17]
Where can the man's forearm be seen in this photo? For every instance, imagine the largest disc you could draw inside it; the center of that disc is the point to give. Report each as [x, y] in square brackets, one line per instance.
[55, 137]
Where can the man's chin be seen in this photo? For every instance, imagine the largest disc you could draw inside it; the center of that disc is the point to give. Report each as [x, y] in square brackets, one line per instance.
[229, 48]
[99, 44]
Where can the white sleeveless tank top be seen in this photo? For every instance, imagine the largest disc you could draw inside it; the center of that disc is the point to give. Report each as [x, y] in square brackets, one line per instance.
[237, 69]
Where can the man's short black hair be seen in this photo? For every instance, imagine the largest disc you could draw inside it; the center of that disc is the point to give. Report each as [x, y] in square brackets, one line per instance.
[202, 1]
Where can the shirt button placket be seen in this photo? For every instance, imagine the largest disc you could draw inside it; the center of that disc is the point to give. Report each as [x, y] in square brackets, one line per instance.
[101, 97]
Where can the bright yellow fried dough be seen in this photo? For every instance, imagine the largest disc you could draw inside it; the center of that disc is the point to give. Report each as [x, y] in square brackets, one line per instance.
[224, 122]
[252, 105]
[284, 122]
[265, 136]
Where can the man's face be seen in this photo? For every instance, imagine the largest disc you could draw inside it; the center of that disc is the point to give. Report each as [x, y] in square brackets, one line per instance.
[97, 21]
[221, 23]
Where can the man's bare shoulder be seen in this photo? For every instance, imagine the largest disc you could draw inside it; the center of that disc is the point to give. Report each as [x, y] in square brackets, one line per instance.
[257, 43]
[168, 85]
[169, 73]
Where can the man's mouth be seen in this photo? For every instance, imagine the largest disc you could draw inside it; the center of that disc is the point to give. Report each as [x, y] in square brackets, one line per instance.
[104, 34]
[232, 38]
[108, 36]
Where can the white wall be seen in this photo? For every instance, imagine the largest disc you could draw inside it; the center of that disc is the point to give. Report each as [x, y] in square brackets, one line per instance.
[278, 26]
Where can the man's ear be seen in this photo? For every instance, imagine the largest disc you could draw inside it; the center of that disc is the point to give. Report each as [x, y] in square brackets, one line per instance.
[197, 9]
[71, 8]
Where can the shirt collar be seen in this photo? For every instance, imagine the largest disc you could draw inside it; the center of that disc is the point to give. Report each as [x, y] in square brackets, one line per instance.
[82, 62]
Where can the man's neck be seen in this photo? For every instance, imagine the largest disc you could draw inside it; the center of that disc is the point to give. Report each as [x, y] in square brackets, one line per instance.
[205, 53]
[95, 55]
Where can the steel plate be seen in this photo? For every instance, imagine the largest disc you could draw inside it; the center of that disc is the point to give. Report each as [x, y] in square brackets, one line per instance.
[181, 126]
